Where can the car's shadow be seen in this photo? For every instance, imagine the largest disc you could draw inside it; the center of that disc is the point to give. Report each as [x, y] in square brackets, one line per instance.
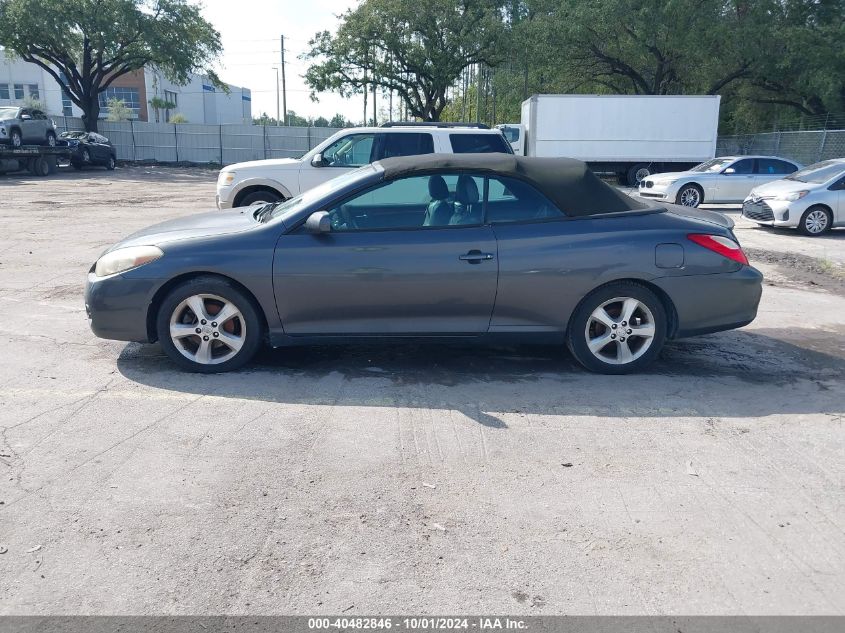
[734, 374]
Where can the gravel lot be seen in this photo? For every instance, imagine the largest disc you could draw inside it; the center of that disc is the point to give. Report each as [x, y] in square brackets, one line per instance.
[407, 479]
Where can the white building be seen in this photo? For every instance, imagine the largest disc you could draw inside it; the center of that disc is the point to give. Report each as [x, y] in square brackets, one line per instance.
[199, 101]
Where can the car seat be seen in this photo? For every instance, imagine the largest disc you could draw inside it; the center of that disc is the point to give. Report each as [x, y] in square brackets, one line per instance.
[440, 210]
[467, 202]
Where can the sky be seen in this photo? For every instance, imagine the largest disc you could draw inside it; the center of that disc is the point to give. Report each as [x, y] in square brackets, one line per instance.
[250, 31]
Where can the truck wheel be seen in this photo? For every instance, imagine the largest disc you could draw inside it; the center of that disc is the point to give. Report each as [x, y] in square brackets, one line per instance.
[637, 173]
[15, 138]
[259, 196]
[40, 167]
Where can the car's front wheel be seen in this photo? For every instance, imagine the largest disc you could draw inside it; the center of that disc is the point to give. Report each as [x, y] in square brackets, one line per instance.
[259, 197]
[815, 221]
[617, 329]
[111, 163]
[690, 196]
[208, 325]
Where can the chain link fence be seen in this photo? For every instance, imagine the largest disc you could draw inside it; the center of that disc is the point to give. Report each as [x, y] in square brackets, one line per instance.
[204, 144]
[806, 147]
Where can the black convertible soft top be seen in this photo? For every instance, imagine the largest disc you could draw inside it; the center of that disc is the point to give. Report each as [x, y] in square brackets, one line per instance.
[568, 183]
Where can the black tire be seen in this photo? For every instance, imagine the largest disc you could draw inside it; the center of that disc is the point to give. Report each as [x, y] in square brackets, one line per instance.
[111, 163]
[41, 167]
[582, 325]
[259, 196]
[690, 195]
[15, 138]
[76, 164]
[636, 173]
[816, 221]
[51, 138]
[252, 334]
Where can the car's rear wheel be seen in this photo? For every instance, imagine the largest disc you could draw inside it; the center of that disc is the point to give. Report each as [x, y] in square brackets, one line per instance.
[111, 163]
[815, 221]
[690, 196]
[262, 196]
[51, 138]
[208, 325]
[617, 329]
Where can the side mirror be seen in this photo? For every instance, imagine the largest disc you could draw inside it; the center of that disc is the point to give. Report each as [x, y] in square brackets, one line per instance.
[319, 222]
[26, 117]
[317, 161]
[729, 170]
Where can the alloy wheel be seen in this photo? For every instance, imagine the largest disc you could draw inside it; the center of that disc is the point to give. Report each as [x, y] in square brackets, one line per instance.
[816, 221]
[642, 173]
[207, 329]
[690, 197]
[620, 330]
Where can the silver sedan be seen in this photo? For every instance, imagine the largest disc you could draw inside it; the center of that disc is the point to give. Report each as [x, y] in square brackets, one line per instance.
[727, 179]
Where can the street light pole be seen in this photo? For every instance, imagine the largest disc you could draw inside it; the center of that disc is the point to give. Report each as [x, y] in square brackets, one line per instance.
[284, 90]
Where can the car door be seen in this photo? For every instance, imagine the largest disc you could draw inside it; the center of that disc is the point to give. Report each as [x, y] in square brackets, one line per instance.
[100, 148]
[28, 126]
[736, 181]
[380, 270]
[40, 126]
[349, 152]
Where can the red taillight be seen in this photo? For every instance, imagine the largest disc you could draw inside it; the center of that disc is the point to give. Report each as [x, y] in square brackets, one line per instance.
[725, 246]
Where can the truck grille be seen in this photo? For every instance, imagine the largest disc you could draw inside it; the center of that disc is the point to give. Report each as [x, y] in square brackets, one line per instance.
[758, 210]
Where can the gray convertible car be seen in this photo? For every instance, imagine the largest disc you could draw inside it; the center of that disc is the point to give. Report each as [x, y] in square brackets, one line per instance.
[446, 248]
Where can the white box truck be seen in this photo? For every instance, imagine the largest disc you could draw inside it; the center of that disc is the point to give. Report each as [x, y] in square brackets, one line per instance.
[628, 135]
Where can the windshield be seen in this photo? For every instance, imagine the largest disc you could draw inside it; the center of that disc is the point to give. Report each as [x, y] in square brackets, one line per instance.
[9, 113]
[716, 164]
[819, 173]
[73, 134]
[288, 207]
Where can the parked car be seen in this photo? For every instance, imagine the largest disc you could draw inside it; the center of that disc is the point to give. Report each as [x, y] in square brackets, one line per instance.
[455, 248]
[26, 126]
[811, 200]
[90, 148]
[727, 179]
[279, 179]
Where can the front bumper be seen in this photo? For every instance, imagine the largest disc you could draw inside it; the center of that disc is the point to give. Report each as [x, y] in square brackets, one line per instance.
[117, 306]
[772, 212]
[713, 303]
[659, 192]
[224, 198]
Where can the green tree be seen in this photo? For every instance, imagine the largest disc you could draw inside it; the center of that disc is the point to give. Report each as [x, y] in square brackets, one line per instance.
[158, 104]
[417, 49]
[118, 110]
[85, 45]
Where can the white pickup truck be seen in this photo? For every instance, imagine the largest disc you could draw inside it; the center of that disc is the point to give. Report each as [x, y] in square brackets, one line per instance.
[278, 179]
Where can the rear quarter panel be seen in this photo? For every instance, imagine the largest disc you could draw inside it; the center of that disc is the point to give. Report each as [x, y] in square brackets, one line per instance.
[546, 269]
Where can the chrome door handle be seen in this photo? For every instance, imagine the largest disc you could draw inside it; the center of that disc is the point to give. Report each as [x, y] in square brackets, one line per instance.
[475, 257]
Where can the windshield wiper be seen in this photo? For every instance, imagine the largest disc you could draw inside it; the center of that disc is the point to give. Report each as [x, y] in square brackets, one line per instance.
[264, 211]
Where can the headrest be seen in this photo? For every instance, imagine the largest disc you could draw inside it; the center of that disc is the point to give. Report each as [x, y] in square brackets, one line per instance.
[467, 190]
[437, 188]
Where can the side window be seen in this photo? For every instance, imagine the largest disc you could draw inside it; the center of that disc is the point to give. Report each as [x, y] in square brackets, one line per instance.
[39, 115]
[744, 166]
[406, 144]
[772, 166]
[24, 111]
[354, 150]
[512, 200]
[416, 202]
[479, 143]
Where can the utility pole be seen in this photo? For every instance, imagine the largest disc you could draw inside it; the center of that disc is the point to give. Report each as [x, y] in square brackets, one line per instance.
[278, 114]
[284, 91]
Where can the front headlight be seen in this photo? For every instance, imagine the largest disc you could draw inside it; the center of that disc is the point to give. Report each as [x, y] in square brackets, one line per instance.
[226, 178]
[124, 259]
[792, 197]
[664, 183]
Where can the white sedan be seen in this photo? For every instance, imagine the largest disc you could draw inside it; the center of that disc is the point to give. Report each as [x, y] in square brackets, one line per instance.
[811, 200]
[727, 179]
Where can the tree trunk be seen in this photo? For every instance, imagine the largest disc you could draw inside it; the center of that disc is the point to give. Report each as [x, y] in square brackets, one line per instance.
[91, 111]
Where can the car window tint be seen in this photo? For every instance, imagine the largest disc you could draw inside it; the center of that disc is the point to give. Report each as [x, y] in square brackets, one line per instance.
[744, 166]
[407, 144]
[513, 200]
[771, 166]
[479, 143]
[353, 150]
[412, 203]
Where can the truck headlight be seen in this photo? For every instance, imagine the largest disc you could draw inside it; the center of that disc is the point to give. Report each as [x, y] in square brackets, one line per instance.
[124, 259]
[226, 178]
[792, 197]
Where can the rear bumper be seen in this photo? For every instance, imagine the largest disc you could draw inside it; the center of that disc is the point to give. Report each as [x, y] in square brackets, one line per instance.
[117, 307]
[713, 303]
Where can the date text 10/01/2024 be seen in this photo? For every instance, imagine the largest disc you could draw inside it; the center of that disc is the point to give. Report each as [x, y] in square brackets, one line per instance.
[424, 623]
